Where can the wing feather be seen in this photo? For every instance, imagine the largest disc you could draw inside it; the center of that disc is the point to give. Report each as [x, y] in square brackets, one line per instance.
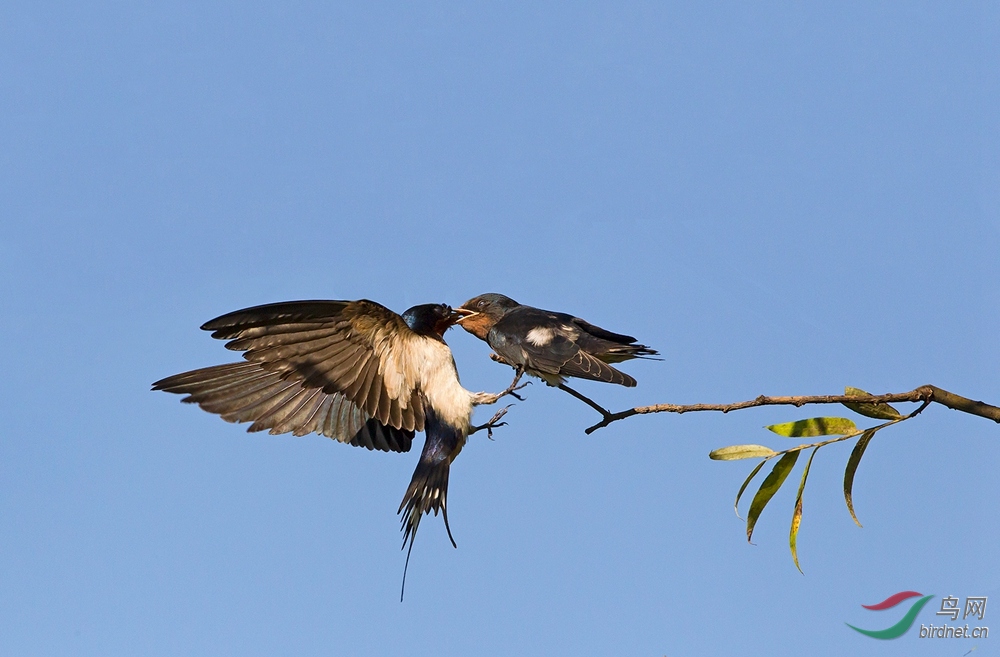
[358, 349]
[290, 418]
[278, 414]
[343, 369]
[245, 392]
[558, 357]
[585, 366]
[361, 374]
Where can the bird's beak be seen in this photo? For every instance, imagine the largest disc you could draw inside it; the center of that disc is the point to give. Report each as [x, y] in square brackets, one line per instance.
[458, 314]
[463, 313]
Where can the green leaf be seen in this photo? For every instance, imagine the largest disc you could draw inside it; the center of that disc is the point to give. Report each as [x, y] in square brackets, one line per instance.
[753, 473]
[737, 452]
[772, 482]
[815, 426]
[852, 467]
[793, 535]
[879, 411]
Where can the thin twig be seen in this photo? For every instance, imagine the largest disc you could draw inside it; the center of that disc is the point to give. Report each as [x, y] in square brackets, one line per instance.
[925, 394]
[586, 400]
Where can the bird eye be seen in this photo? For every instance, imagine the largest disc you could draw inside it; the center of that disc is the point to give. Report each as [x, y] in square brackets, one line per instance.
[481, 304]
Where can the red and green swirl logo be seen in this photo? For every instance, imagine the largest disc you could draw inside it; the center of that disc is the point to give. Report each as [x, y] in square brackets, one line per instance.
[904, 624]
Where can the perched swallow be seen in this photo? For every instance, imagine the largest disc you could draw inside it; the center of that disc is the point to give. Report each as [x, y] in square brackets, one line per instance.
[351, 370]
[550, 345]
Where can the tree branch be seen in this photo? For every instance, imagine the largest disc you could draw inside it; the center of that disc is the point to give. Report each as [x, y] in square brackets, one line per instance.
[926, 394]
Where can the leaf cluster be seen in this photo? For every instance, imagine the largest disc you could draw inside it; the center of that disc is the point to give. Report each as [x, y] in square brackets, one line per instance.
[842, 428]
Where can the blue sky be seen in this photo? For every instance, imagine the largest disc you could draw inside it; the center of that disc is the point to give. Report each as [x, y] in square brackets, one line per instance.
[783, 200]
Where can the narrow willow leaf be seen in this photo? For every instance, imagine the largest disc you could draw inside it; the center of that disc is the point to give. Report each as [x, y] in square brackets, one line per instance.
[877, 411]
[793, 535]
[772, 482]
[753, 473]
[815, 426]
[737, 452]
[852, 467]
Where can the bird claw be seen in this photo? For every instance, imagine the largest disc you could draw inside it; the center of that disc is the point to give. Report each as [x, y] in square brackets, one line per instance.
[514, 387]
[493, 423]
[487, 398]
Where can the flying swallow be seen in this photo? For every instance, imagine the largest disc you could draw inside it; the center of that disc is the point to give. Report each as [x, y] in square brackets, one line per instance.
[354, 371]
[550, 345]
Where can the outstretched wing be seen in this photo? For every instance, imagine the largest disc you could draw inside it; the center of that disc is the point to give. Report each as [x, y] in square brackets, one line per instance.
[246, 392]
[326, 366]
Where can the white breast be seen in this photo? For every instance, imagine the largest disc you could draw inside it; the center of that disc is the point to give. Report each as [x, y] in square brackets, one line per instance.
[439, 382]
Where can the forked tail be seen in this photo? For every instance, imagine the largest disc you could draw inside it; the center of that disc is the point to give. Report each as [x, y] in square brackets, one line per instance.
[428, 489]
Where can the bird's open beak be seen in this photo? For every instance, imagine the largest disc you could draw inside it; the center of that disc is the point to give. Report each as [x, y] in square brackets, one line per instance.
[463, 313]
[458, 314]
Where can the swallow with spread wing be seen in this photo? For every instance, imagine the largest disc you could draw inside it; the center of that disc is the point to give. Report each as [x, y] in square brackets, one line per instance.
[550, 345]
[354, 371]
